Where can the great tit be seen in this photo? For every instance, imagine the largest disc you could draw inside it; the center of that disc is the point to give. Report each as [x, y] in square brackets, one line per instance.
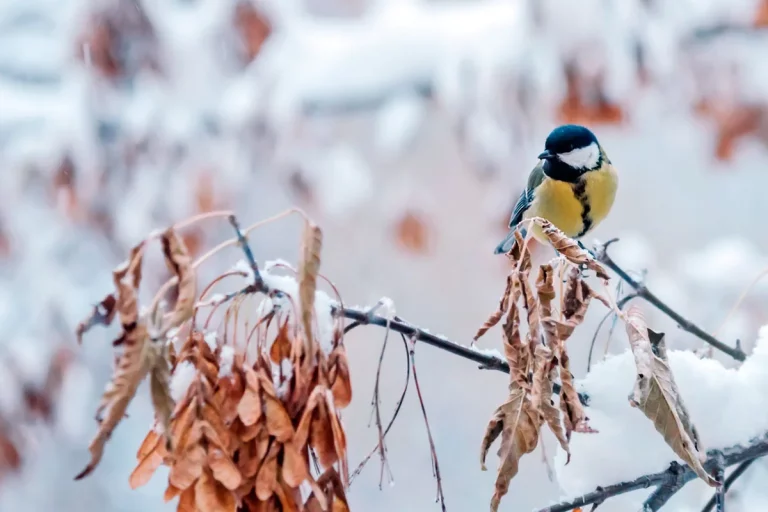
[573, 186]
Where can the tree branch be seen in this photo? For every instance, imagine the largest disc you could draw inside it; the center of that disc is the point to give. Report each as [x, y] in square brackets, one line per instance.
[486, 361]
[728, 483]
[601, 255]
[669, 481]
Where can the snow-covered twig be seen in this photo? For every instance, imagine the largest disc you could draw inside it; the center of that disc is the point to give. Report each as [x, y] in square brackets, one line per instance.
[668, 481]
[601, 254]
[728, 483]
[486, 361]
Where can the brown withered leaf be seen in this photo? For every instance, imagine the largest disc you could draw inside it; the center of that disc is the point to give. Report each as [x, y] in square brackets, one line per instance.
[281, 346]
[532, 309]
[224, 470]
[131, 370]
[341, 385]
[187, 501]
[294, 470]
[172, 492]
[309, 266]
[266, 478]
[574, 417]
[496, 315]
[545, 290]
[229, 393]
[570, 249]
[159, 381]
[179, 263]
[278, 420]
[150, 458]
[212, 496]
[517, 355]
[657, 396]
[188, 467]
[249, 408]
[517, 424]
[541, 394]
[103, 313]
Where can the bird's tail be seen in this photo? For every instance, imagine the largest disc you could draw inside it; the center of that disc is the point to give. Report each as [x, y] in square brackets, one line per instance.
[508, 242]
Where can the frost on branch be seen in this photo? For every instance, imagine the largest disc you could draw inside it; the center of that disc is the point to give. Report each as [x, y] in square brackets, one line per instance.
[536, 362]
[257, 399]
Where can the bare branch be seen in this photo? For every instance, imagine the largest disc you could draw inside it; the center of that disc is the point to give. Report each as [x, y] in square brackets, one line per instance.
[487, 361]
[601, 254]
[669, 481]
[740, 470]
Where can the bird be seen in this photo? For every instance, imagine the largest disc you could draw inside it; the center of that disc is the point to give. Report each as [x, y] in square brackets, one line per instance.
[573, 186]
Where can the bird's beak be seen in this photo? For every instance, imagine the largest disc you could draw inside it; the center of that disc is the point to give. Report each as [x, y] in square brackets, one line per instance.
[546, 155]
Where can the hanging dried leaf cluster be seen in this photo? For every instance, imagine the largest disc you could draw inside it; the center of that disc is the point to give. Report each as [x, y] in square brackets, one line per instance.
[541, 358]
[255, 424]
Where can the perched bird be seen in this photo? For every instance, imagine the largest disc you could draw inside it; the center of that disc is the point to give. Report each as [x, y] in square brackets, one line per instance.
[573, 186]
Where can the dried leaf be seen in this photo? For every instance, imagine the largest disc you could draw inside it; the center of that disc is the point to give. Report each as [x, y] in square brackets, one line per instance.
[516, 422]
[496, 316]
[281, 346]
[412, 232]
[308, 268]
[224, 470]
[574, 417]
[211, 496]
[249, 408]
[266, 478]
[171, 492]
[545, 290]
[160, 375]
[103, 314]
[278, 422]
[294, 468]
[657, 396]
[131, 370]
[187, 468]
[541, 394]
[516, 354]
[341, 385]
[179, 263]
[321, 436]
[187, 501]
[569, 248]
[147, 466]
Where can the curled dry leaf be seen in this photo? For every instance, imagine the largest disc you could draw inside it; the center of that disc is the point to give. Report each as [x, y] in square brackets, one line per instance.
[103, 314]
[309, 267]
[517, 356]
[179, 263]
[496, 316]
[159, 381]
[569, 248]
[132, 364]
[341, 380]
[518, 426]
[657, 396]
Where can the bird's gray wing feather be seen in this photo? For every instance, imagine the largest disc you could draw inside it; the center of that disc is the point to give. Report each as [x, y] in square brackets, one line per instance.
[526, 197]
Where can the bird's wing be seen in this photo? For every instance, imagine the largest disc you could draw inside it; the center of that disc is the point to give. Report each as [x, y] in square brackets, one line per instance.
[526, 197]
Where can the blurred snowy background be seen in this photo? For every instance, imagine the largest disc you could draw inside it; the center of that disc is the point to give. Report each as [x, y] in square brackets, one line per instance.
[406, 128]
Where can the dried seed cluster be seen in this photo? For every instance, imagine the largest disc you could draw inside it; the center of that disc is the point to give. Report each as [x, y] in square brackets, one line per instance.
[248, 421]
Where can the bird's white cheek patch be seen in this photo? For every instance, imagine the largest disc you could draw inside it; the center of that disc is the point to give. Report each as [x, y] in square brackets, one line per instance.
[582, 158]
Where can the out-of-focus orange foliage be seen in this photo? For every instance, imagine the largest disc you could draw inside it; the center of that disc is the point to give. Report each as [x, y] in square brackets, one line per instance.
[412, 232]
[64, 189]
[252, 28]
[761, 16]
[732, 122]
[585, 101]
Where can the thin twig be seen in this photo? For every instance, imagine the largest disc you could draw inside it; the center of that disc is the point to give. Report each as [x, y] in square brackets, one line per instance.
[433, 452]
[671, 479]
[740, 469]
[601, 254]
[376, 403]
[399, 405]
[242, 241]
[486, 361]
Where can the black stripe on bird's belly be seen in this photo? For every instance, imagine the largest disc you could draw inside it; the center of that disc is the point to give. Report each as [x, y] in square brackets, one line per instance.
[580, 191]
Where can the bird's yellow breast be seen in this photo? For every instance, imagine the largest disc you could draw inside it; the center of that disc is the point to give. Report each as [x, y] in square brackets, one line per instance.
[575, 208]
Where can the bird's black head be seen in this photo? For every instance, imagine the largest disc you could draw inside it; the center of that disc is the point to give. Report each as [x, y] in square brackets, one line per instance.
[570, 151]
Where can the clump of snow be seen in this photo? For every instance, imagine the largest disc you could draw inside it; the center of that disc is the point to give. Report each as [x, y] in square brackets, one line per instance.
[245, 268]
[226, 360]
[727, 406]
[211, 339]
[492, 352]
[387, 309]
[182, 377]
[281, 377]
[290, 288]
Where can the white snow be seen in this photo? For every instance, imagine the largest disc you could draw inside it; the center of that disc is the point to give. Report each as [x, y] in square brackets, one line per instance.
[226, 360]
[727, 406]
[211, 339]
[243, 267]
[182, 377]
